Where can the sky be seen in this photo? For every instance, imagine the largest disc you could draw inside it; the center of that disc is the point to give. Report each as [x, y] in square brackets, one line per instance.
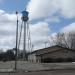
[46, 19]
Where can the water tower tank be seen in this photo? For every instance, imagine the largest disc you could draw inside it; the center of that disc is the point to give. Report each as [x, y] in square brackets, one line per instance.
[25, 15]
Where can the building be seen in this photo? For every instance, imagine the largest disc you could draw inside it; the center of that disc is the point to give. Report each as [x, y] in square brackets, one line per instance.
[32, 56]
[52, 54]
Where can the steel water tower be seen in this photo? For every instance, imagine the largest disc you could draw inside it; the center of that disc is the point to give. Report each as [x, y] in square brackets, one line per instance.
[24, 19]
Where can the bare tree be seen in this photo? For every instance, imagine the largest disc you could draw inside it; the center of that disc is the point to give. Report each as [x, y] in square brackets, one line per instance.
[71, 40]
[66, 39]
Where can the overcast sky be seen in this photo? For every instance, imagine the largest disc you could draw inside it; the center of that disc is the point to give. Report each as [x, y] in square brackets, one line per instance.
[46, 17]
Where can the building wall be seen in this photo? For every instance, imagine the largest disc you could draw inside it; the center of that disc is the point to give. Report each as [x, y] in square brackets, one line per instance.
[32, 57]
[59, 54]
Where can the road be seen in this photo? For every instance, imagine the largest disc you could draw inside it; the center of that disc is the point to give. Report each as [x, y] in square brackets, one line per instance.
[54, 72]
[28, 66]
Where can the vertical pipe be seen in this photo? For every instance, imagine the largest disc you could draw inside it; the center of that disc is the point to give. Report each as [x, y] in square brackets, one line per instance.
[24, 47]
[45, 44]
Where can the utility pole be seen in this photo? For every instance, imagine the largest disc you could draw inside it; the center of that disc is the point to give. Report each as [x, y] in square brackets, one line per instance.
[16, 42]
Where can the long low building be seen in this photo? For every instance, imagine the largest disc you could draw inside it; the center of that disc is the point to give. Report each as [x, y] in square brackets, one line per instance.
[52, 54]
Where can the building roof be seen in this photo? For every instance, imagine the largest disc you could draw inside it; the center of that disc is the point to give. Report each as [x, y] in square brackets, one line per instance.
[50, 49]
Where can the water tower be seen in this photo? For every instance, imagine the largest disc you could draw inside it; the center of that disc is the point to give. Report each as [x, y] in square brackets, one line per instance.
[24, 19]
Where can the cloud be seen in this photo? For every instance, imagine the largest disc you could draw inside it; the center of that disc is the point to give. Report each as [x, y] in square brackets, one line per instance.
[67, 8]
[39, 31]
[1, 11]
[69, 28]
[7, 29]
[39, 34]
[45, 8]
[40, 8]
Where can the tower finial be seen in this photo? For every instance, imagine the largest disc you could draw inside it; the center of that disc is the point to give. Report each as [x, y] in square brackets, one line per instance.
[25, 8]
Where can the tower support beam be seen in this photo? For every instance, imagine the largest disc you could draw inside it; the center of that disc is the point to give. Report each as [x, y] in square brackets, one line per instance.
[24, 45]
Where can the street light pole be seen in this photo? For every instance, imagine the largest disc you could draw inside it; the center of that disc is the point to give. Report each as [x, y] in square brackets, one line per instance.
[16, 42]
